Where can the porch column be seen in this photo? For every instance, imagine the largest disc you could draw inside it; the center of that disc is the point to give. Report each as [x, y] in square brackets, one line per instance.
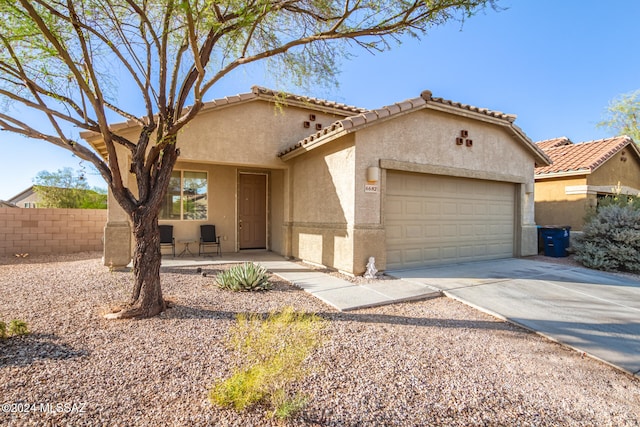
[117, 236]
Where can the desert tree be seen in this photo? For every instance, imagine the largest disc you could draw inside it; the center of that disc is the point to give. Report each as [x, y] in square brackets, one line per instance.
[623, 115]
[64, 59]
[68, 189]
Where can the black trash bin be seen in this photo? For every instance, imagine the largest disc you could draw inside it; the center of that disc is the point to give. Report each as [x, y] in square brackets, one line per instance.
[555, 240]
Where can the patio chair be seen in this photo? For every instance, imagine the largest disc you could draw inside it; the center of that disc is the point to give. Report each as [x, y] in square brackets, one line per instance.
[166, 238]
[208, 238]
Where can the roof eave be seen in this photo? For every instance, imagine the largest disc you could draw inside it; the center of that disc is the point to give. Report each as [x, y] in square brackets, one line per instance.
[562, 174]
[541, 158]
[257, 93]
[502, 120]
[630, 142]
[315, 143]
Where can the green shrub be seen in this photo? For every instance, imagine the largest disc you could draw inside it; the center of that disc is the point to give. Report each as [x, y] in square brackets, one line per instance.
[617, 199]
[18, 327]
[244, 277]
[286, 407]
[611, 239]
[273, 351]
[241, 390]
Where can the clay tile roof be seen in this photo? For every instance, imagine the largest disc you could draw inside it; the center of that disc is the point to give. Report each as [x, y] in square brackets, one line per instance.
[584, 157]
[554, 142]
[368, 117]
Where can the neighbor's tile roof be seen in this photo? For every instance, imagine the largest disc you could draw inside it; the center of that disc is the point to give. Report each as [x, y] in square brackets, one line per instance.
[586, 156]
[369, 117]
[555, 142]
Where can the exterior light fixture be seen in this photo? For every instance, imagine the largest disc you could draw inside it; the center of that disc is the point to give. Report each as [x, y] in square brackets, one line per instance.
[373, 174]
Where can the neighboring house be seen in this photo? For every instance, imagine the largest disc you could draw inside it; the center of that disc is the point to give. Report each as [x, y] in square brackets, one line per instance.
[421, 182]
[4, 204]
[30, 198]
[25, 199]
[568, 189]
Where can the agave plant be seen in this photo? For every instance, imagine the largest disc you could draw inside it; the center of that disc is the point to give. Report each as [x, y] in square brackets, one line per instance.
[244, 277]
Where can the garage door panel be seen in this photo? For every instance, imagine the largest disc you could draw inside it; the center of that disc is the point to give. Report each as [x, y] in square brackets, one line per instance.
[449, 208]
[436, 219]
[413, 230]
[393, 206]
[413, 208]
[413, 255]
[466, 209]
[467, 231]
[394, 232]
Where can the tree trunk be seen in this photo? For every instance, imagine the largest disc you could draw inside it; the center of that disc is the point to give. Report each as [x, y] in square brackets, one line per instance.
[146, 299]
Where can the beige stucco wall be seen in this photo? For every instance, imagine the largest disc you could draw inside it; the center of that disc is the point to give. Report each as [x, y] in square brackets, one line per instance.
[427, 139]
[323, 205]
[117, 230]
[623, 168]
[345, 226]
[247, 134]
[220, 207]
[278, 210]
[555, 207]
[224, 142]
[318, 210]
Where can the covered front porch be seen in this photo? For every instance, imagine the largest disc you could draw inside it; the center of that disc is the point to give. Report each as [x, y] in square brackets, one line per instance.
[246, 205]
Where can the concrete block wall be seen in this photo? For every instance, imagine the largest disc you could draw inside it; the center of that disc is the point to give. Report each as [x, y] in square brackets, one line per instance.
[49, 231]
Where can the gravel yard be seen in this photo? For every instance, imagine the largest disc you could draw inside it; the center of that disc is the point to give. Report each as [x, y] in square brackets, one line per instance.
[433, 362]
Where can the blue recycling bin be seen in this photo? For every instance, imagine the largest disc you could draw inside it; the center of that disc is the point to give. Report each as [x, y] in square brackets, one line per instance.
[556, 240]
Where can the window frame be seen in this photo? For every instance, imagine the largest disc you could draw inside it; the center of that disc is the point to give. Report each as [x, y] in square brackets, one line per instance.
[181, 197]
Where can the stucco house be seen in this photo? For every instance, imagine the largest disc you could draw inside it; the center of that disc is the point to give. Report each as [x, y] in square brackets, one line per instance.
[424, 181]
[25, 199]
[30, 198]
[582, 173]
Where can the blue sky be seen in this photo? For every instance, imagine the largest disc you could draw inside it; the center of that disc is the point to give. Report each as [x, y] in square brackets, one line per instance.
[556, 64]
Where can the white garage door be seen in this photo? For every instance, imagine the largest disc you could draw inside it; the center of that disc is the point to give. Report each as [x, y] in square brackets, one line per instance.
[432, 219]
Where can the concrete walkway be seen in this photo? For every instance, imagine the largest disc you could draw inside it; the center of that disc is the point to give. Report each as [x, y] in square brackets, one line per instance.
[592, 311]
[341, 294]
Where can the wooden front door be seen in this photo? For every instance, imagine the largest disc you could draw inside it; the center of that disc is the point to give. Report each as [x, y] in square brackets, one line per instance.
[252, 211]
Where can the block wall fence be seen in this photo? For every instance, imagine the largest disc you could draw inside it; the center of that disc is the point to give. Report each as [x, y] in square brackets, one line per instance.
[51, 231]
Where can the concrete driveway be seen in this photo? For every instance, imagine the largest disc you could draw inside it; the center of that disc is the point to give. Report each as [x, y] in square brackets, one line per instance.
[594, 312]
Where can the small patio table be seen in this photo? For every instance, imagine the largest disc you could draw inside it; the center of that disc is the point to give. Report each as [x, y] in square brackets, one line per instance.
[186, 243]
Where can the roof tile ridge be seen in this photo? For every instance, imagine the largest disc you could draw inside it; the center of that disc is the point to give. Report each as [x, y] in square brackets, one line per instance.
[369, 116]
[600, 140]
[559, 138]
[261, 90]
[481, 110]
